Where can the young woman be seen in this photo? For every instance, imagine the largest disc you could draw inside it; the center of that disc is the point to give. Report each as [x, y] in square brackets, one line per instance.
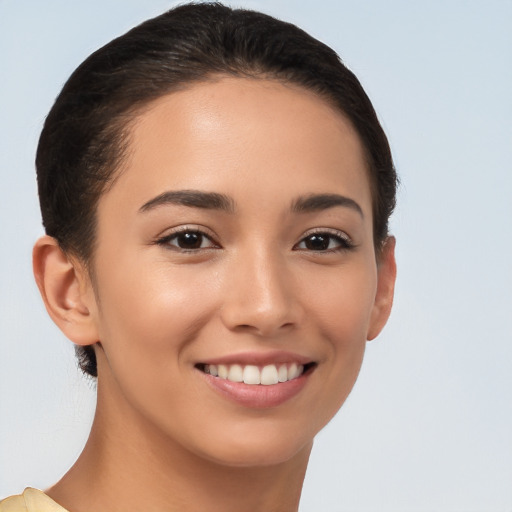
[215, 188]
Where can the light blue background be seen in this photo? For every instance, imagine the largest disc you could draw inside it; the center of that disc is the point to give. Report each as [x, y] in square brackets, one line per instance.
[429, 423]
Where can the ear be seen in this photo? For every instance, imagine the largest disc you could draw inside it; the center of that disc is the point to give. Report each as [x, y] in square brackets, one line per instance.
[386, 277]
[66, 290]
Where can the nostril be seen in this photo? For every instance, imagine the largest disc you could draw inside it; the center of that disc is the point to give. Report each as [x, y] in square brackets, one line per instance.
[264, 329]
[245, 328]
[264, 316]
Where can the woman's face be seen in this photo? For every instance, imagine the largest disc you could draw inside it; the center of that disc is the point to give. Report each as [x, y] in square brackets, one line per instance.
[237, 241]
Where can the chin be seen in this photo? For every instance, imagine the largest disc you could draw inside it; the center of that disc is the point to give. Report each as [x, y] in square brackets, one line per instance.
[250, 455]
[257, 446]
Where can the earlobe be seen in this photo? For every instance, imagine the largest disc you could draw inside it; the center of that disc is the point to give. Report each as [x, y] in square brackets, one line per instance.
[386, 277]
[66, 291]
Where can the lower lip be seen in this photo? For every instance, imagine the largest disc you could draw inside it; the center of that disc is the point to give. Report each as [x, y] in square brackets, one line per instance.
[258, 396]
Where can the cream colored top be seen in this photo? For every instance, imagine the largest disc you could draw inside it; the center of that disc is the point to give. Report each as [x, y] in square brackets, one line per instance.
[32, 500]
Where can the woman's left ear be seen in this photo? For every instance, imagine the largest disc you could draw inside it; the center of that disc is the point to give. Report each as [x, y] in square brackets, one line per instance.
[66, 290]
[386, 277]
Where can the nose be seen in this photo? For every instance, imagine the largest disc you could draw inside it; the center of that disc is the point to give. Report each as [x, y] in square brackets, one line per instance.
[261, 296]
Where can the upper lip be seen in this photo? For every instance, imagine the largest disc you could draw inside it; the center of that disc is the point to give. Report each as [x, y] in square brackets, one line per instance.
[259, 358]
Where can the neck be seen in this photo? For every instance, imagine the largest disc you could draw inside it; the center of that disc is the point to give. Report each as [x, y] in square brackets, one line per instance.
[129, 466]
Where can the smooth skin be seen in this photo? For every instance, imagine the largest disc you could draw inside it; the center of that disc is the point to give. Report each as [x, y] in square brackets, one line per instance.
[178, 284]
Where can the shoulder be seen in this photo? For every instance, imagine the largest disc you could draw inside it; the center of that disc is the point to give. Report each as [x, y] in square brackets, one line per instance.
[32, 500]
[13, 504]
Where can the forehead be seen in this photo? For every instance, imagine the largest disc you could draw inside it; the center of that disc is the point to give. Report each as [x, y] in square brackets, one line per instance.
[222, 135]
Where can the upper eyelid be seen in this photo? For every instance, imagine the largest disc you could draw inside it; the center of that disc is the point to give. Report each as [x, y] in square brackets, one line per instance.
[195, 228]
[330, 231]
[165, 241]
[344, 240]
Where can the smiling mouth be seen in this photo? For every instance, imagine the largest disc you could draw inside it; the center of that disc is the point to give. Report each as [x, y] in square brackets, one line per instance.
[253, 375]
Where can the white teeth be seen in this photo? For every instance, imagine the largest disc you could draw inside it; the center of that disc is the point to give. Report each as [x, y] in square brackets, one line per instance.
[236, 373]
[253, 375]
[222, 371]
[295, 370]
[269, 375]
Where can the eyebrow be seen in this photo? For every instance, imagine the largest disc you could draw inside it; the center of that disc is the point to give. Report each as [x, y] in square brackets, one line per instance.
[193, 199]
[318, 202]
[222, 202]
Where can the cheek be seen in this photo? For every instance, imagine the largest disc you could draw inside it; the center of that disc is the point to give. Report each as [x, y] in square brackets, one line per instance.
[343, 312]
[150, 314]
[344, 304]
[148, 320]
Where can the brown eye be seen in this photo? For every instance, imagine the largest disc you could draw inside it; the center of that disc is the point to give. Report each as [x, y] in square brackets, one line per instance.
[317, 242]
[324, 242]
[187, 241]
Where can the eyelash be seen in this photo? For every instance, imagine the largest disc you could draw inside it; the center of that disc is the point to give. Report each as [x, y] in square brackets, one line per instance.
[342, 241]
[187, 230]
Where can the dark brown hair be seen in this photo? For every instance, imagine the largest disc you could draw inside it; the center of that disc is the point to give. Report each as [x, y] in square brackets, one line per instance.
[86, 133]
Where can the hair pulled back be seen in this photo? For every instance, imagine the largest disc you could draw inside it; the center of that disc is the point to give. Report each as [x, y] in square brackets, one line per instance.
[86, 134]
